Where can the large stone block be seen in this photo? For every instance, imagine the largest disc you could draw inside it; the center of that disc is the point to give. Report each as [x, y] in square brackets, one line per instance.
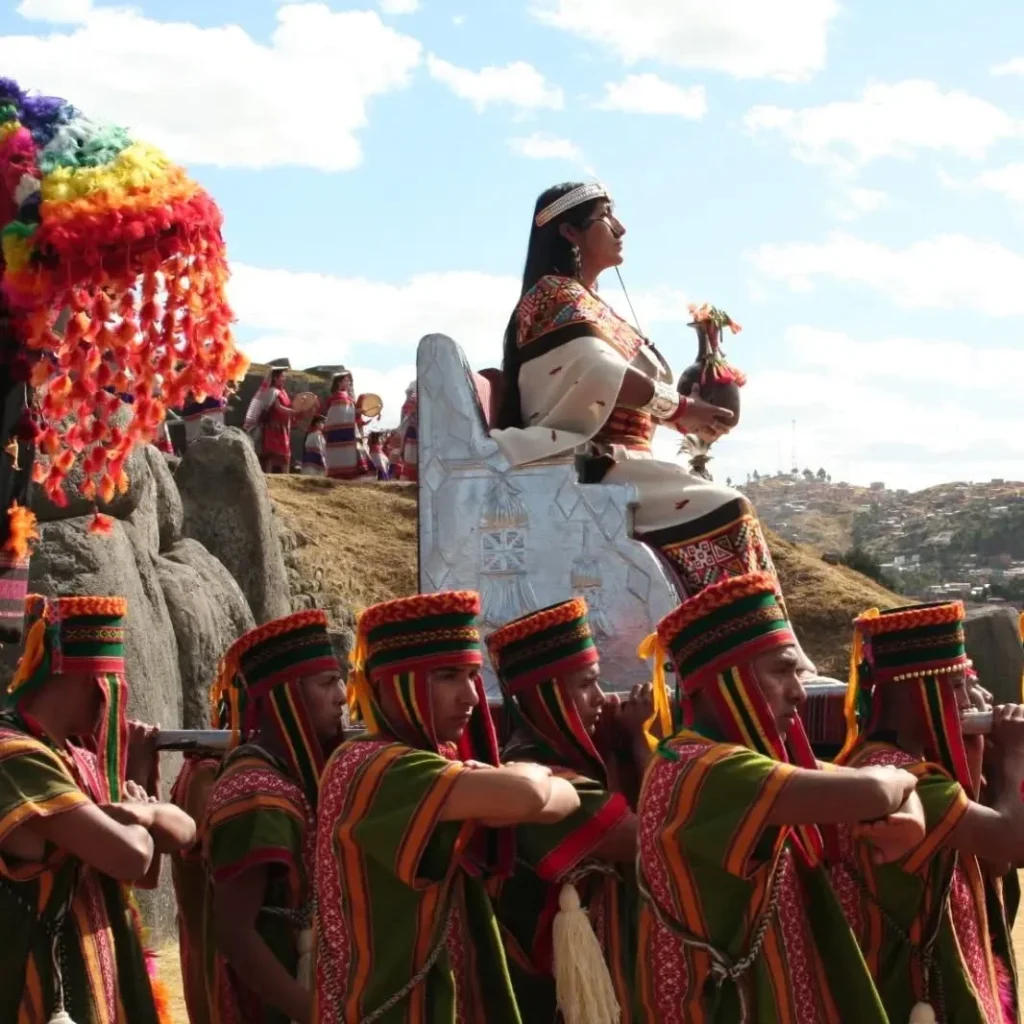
[993, 643]
[227, 509]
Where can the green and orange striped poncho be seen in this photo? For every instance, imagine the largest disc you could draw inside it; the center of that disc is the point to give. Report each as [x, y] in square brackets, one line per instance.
[61, 900]
[707, 858]
[398, 910]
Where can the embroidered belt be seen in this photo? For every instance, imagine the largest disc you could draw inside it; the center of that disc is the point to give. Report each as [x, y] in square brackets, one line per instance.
[628, 428]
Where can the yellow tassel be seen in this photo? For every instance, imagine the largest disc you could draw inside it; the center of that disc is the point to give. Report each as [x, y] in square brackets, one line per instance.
[32, 656]
[358, 690]
[224, 685]
[1020, 629]
[922, 1013]
[583, 985]
[650, 647]
[853, 687]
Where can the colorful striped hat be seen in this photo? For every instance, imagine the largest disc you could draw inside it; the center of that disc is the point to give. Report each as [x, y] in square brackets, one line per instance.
[114, 273]
[531, 656]
[919, 640]
[80, 635]
[725, 624]
[261, 672]
[543, 644]
[426, 629]
[919, 646]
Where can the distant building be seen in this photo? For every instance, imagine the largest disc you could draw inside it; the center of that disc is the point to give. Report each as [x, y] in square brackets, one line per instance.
[877, 485]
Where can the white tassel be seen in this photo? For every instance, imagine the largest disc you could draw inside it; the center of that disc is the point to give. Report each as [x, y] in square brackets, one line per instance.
[304, 972]
[922, 1013]
[582, 982]
[60, 1017]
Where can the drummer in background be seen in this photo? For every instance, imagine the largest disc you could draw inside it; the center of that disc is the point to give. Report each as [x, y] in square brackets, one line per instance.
[347, 458]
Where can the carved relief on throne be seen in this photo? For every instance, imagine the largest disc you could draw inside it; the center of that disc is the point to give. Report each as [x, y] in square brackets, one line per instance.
[505, 590]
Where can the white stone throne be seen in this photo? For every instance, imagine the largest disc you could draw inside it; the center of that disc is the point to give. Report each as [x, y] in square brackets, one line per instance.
[529, 537]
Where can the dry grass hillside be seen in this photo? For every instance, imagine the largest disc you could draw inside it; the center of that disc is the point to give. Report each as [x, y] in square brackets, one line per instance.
[364, 538]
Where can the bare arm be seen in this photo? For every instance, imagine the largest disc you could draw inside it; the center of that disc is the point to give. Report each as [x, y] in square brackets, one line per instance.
[562, 801]
[851, 795]
[236, 905]
[123, 851]
[499, 796]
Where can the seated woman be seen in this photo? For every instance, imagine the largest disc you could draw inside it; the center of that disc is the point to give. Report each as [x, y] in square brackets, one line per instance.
[579, 378]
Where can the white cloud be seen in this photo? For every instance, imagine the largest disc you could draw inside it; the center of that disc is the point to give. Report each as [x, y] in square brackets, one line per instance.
[518, 84]
[399, 6]
[66, 12]
[458, 19]
[1008, 181]
[649, 94]
[541, 146]
[297, 313]
[889, 120]
[217, 95]
[856, 202]
[945, 272]
[785, 39]
[930, 423]
[1010, 67]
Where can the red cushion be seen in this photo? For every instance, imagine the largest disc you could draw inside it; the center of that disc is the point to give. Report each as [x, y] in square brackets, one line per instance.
[483, 391]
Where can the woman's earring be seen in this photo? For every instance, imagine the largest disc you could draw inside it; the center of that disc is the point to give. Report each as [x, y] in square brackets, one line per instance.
[577, 262]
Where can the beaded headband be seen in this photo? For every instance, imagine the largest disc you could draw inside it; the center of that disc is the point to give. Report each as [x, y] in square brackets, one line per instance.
[542, 645]
[583, 194]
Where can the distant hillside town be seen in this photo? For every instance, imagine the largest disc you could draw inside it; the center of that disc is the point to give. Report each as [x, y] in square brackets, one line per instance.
[956, 540]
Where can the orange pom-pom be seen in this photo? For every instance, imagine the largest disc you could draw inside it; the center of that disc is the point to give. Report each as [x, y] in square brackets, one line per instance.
[101, 524]
[107, 488]
[22, 530]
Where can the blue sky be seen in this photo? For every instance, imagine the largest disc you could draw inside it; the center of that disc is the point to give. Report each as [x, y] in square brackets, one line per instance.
[847, 181]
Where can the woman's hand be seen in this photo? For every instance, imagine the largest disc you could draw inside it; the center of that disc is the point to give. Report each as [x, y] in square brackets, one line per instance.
[699, 417]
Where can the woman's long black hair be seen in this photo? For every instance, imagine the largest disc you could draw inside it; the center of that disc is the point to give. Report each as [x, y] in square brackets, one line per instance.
[548, 252]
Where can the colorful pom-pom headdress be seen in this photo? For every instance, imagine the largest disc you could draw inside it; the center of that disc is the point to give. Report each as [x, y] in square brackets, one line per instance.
[921, 647]
[261, 672]
[712, 640]
[531, 656]
[113, 275]
[81, 635]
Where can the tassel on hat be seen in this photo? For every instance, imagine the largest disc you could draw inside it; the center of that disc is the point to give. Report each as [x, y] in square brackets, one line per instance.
[583, 985]
[923, 1013]
[659, 726]
[304, 973]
